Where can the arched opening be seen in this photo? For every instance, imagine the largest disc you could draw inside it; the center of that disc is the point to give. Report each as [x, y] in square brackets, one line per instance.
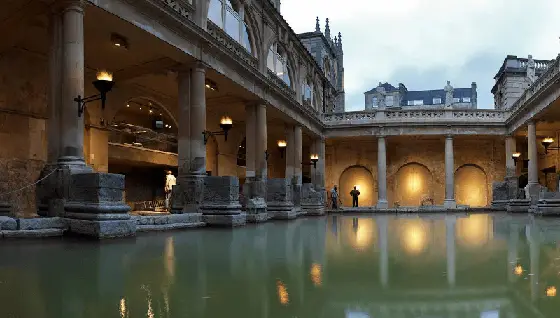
[414, 184]
[307, 91]
[471, 187]
[229, 15]
[241, 154]
[362, 178]
[277, 62]
[212, 152]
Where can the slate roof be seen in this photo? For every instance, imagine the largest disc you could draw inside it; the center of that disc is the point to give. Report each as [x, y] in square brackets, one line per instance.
[388, 88]
[428, 96]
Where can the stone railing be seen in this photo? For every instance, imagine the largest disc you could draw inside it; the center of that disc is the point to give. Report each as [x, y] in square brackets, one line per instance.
[549, 75]
[419, 116]
[131, 135]
[232, 45]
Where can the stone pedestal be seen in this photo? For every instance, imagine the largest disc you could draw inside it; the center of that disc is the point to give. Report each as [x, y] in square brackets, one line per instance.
[518, 206]
[186, 196]
[548, 204]
[312, 201]
[254, 192]
[95, 206]
[532, 192]
[296, 194]
[256, 210]
[220, 204]
[279, 199]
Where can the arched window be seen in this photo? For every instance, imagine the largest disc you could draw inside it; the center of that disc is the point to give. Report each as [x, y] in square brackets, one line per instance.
[307, 91]
[277, 63]
[230, 17]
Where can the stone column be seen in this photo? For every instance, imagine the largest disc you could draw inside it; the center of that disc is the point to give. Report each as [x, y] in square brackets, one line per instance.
[290, 152]
[449, 174]
[532, 151]
[320, 148]
[261, 142]
[191, 147]
[533, 188]
[510, 150]
[381, 173]
[54, 92]
[297, 159]
[71, 151]
[250, 142]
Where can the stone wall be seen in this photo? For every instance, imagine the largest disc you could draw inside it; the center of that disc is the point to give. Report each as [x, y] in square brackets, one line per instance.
[23, 112]
[488, 154]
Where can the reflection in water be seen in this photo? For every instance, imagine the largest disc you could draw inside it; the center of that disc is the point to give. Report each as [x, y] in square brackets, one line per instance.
[382, 266]
[316, 274]
[282, 291]
[122, 308]
[474, 231]
[414, 236]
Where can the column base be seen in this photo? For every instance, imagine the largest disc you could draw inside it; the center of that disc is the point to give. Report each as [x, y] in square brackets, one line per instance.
[518, 205]
[220, 205]
[256, 210]
[225, 220]
[102, 229]
[449, 204]
[532, 192]
[187, 195]
[312, 201]
[382, 205]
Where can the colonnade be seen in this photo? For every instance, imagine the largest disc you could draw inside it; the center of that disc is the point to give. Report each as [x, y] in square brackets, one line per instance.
[382, 202]
[66, 127]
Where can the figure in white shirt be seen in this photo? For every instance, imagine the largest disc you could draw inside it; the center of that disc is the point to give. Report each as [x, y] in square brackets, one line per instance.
[170, 181]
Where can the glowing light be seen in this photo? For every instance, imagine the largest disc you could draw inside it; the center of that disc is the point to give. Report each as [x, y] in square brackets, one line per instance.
[283, 296]
[548, 140]
[226, 121]
[316, 274]
[104, 76]
[127, 105]
[314, 157]
[282, 143]
[362, 237]
[414, 238]
[551, 291]
[516, 155]
[357, 186]
[518, 270]
[122, 308]
[151, 111]
[475, 230]
[140, 108]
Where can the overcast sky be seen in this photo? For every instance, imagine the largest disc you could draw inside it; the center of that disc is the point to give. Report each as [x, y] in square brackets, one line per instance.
[424, 43]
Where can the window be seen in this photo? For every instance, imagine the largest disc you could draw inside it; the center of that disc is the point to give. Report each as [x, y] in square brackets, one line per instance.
[410, 102]
[389, 101]
[418, 102]
[466, 99]
[374, 102]
[437, 101]
[456, 100]
[223, 14]
[307, 91]
[278, 65]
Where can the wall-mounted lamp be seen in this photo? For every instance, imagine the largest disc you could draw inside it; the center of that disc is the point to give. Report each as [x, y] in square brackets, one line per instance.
[314, 159]
[282, 147]
[104, 84]
[210, 84]
[546, 143]
[515, 156]
[225, 123]
[119, 41]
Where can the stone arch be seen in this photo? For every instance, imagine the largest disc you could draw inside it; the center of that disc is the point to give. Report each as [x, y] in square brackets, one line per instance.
[275, 65]
[471, 186]
[363, 178]
[115, 110]
[253, 32]
[414, 183]
[212, 153]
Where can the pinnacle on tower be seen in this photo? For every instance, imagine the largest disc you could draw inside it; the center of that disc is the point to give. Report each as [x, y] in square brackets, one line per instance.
[339, 40]
[317, 26]
[327, 30]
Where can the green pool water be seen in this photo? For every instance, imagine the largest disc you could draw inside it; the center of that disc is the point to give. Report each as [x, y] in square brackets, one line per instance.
[421, 266]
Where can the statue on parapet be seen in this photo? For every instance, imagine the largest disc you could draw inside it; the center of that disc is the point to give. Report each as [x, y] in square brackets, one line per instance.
[531, 69]
[448, 94]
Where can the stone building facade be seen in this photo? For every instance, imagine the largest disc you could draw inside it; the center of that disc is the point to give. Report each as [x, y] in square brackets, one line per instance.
[211, 89]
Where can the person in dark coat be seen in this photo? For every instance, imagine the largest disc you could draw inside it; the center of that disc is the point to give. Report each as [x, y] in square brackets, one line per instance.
[355, 193]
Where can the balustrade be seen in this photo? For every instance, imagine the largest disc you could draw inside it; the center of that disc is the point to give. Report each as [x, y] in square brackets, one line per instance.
[131, 135]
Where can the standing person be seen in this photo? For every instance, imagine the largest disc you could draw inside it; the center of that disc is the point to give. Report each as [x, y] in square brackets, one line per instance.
[334, 198]
[355, 193]
[170, 181]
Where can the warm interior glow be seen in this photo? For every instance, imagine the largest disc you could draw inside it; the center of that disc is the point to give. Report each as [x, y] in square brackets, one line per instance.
[551, 291]
[226, 121]
[364, 233]
[169, 257]
[357, 186]
[357, 176]
[104, 76]
[414, 184]
[282, 143]
[516, 155]
[414, 237]
[283, 296]
[471, 186]
[548, 140]
[314, 157]
[316, 273]
[518, 270]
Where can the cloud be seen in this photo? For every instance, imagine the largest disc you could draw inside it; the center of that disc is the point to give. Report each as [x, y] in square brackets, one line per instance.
[424, 43]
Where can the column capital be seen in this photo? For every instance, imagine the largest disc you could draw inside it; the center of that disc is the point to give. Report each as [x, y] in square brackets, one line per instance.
[60, 6]
[449, 136]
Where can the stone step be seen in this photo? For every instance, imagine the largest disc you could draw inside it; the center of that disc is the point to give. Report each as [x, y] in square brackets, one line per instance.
[168, 227]
[32, 233]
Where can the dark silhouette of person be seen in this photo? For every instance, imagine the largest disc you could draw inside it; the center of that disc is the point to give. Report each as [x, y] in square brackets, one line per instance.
[355, 193]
